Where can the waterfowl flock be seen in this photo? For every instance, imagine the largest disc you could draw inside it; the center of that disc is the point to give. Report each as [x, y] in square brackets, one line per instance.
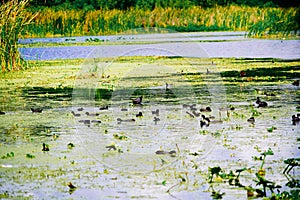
[201, 114]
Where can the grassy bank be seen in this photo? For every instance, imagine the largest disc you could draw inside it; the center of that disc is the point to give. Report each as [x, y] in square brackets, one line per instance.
[256, 20]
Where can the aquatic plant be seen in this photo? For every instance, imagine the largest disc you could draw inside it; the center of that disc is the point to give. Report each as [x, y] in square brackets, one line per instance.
[195, 18]
[291, 163]
[8, 155]
[265, 154]
[12, 23]
[276, 22]
[266, 184]
[214, 171]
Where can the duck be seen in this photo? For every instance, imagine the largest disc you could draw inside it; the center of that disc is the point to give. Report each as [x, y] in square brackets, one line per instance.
[103, 108]
[45, 147]
[91, 114]
[2, 113]
[96, 121]
[140, 114]
[156, 112]
[167, 87]
[242, 73]
[251, 120]
[207, 109]
[80, 109]
[71, 186]
[36, 110]
[125, 120]
[205, 118]
[75, 114]
[296, 118]
[156, 119]
[85, 121]
[261, 103]
[203, 123]
[137, 100]
[193, 107]
[295, 83]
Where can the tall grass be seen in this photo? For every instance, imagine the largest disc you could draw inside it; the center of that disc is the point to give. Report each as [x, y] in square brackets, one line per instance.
[102, 22]
[13, 20]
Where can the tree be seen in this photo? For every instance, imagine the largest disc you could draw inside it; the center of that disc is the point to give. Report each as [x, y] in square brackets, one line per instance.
[13, 20]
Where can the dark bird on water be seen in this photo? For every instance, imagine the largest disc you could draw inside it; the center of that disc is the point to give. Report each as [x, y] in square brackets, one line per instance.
[2, 113]
[156, 119]
[103, 108]
[156, 112]
[36, 110]
[75, 114]
[91, 114]
[45, 147]
[119, 120]
[71, 186]
[203, 123]
[296, 118]
[207, 109]
[261, 103]
[296, 83]
[137, 100]
[251, 120]
[140, 114]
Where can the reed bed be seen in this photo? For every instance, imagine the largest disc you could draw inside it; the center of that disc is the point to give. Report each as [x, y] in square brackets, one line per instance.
[13, 20]
[256, 20]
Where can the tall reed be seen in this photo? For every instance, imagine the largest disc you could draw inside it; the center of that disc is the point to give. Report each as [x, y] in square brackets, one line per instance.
[12, 22]
[218, 18]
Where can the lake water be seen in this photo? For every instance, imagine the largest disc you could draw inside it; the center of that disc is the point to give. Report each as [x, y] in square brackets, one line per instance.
[213, 45]
[132, 168]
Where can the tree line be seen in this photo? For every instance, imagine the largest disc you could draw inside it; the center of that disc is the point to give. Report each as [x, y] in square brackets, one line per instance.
[151, 4]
